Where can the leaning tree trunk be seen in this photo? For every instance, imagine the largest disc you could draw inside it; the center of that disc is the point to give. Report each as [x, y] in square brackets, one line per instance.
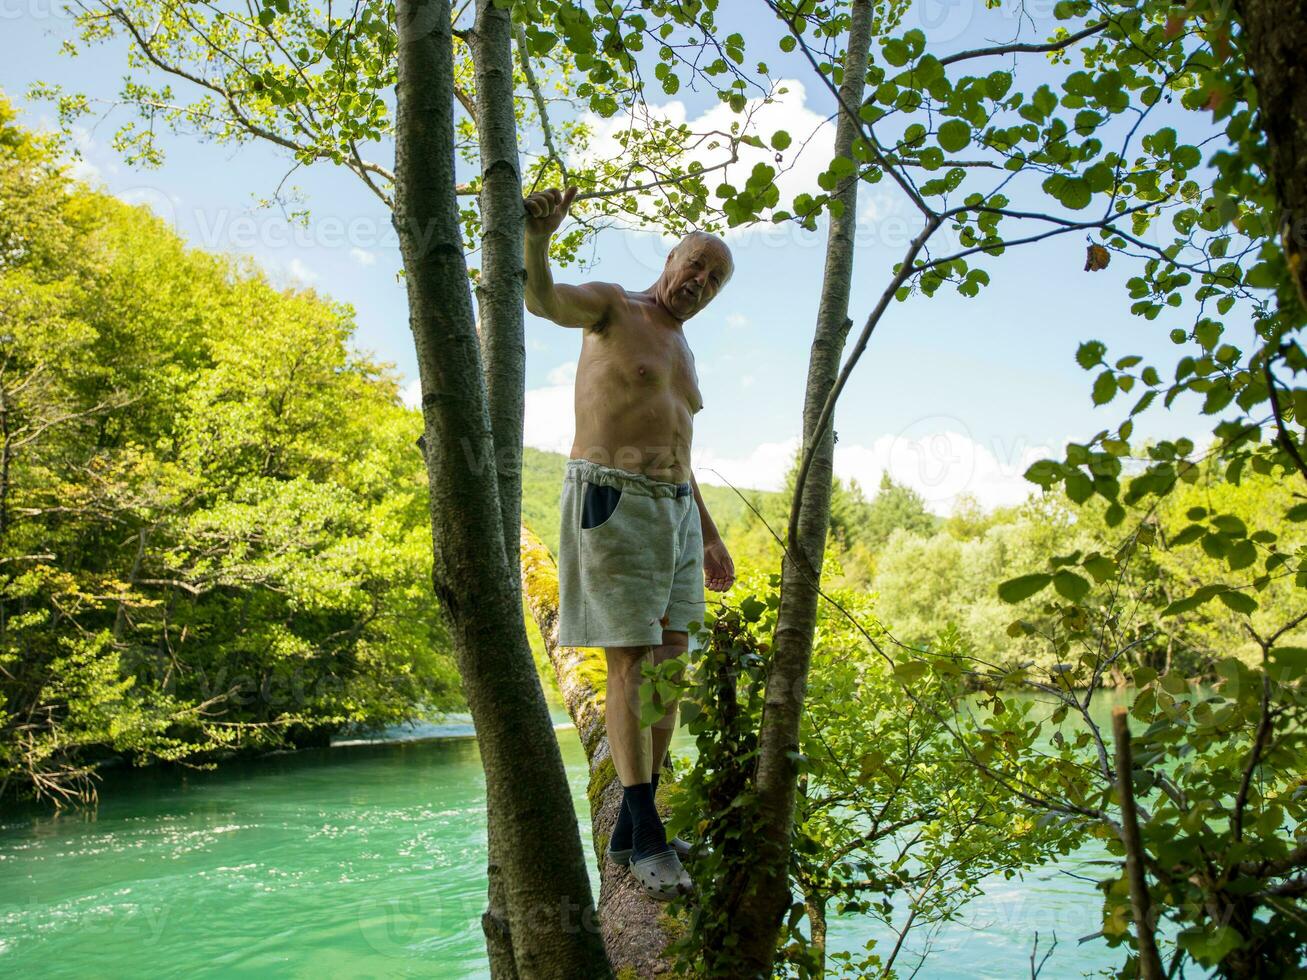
[635, 930]
[1274, 46]
[545, 889]
[503, 348]
[755, 900]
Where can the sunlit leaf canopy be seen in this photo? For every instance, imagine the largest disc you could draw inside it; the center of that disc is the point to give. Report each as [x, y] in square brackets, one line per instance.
[1130, 126]
[318, 81]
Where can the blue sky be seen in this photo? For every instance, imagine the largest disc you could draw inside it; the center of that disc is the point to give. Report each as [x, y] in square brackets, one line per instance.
[953, 395]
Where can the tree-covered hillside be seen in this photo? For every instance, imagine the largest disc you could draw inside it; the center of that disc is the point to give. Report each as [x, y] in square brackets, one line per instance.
[213, 519]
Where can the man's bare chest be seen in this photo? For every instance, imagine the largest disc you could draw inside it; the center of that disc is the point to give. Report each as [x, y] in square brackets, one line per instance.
[646, 356]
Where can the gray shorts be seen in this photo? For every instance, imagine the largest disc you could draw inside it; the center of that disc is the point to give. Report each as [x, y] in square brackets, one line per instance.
[630, 558]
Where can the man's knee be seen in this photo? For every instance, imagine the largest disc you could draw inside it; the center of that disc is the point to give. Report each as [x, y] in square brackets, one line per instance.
[625, 662]
[675, 643]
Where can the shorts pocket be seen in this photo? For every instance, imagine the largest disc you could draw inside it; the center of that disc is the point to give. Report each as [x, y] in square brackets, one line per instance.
[598, 503]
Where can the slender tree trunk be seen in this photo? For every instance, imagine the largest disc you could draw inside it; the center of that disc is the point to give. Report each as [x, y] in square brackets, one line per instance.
[503, 347]
[6, 458]
[503, 267]
[635, 930]
[541, 870]
[1274, 46]
[816, 902]
[756, 902]
[1150, 963]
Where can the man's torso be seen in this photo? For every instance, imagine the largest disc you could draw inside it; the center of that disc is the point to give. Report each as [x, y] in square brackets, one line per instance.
[637, 392]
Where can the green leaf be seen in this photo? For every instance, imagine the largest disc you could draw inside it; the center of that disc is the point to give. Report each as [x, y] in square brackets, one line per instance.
[1241, 554]
[1188, 603]
[1290, 661]
[1071, 586]
[1104, 388]
[1090, 354]
[1143, 676]
[752, 609]
[1173, 682]
[1100, 567]
[896, 52]
[1079, 487]
[1240, 602]
[954, 135]
[997, 84]
[1023, 587]
[1229, 524]
[1076, 194]
[1209, 946]
[910, 670]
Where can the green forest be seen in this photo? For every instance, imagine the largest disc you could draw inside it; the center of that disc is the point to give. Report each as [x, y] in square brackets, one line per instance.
[224, 534]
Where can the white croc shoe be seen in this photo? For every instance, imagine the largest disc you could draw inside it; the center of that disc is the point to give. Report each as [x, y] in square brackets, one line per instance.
[662, 875]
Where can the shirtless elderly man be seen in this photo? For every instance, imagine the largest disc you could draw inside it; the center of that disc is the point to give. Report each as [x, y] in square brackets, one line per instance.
[636, 540]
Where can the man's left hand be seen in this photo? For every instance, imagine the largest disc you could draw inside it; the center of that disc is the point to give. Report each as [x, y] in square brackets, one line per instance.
[718, 569]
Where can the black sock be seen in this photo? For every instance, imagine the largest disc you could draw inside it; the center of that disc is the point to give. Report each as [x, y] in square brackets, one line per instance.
[621, 838]
[647, 834]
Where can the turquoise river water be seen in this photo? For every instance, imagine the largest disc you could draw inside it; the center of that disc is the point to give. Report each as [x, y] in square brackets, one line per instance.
[367, 860]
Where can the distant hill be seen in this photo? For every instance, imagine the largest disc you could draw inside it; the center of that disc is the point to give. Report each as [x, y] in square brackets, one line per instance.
[542, 477]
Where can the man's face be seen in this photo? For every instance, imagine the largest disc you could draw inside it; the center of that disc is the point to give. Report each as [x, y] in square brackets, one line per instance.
[696, 269]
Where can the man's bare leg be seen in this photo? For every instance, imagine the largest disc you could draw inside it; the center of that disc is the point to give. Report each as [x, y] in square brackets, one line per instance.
[675, 643]
[630, 743]
[628, 740]
[637, 751]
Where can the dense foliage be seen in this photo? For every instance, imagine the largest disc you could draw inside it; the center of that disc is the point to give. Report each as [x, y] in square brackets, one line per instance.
[895, 823]
[213, 529]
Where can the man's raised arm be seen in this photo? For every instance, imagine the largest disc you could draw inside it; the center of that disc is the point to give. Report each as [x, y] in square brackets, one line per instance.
[568, 306]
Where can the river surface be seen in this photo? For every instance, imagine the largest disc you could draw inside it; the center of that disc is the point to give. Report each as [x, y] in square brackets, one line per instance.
[368, 860]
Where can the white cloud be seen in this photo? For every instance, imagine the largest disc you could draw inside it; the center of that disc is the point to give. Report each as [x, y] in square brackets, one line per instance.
[550, 419]
[412, 394]
[295, 274]
[362, 256]
[79, 167]
[564, 374]
[163, 204]
[550, 422]
[940, 464]
[812, 135]
[762, 469]
[301, 272]
[737, 320]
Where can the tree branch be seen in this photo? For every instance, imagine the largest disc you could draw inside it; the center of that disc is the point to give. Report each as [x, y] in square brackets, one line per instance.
[1286, 439]
[1019, 48]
